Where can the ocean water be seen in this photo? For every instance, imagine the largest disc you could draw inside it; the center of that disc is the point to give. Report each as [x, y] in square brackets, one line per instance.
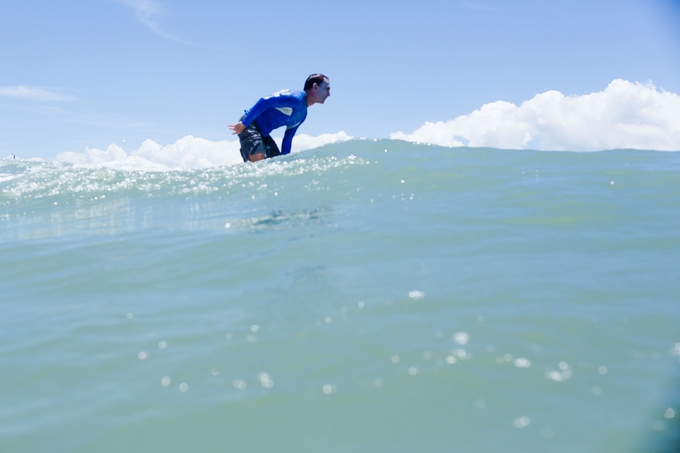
[366, 296]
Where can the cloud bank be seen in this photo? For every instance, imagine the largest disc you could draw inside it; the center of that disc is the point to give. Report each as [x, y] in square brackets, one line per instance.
[34, 93]
[623, 115]
[187, 153]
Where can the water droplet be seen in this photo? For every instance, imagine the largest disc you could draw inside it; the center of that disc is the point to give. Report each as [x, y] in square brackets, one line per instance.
[215, 371]
[461, 338]
[162, 344]
[360, 304]
[239, 384]
[254, 328]
[427, 355]
[395, 359]
[143, 355]
[416, 295]
[228, 336]
[165, 382]
[265, 380]
[508, 357]
[670, 413]
[521, 362]
[130, 315]
[413, 371]
[522, 421]
[327, 319]
[554, 376]
[251, 338]
[451, 360]
[183, 387]
[611, 183]
[596, 391]
[563, 365]
[602, 370]
[327, 389]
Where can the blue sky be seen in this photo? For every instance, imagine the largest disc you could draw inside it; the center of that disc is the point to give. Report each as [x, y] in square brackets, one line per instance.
[88, 73]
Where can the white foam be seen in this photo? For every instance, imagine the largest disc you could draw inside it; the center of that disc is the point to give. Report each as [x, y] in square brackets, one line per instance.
[624, 115]
[187, 153]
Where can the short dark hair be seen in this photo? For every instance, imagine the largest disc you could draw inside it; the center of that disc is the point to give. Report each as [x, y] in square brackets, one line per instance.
[314, 78]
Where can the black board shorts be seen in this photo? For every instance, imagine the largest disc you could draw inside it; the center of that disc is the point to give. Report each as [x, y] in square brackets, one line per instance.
[253, 142]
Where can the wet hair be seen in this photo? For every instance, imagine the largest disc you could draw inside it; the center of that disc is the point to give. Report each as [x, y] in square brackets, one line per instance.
[314, 78]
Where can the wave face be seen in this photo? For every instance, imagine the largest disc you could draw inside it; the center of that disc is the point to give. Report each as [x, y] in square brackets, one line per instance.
[362, 296]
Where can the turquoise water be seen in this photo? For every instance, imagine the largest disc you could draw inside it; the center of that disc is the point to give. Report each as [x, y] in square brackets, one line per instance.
[369, 296]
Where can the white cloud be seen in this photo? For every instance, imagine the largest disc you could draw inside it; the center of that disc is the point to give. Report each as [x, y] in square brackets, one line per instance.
[624, 115]
[144, 11]
[34, 93]
[185, 154]
[303, 142]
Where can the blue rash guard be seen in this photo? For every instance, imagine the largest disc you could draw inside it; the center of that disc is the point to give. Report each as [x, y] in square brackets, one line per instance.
[285, 108]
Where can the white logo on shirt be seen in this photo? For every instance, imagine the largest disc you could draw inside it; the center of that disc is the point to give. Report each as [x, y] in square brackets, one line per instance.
[288, 111]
